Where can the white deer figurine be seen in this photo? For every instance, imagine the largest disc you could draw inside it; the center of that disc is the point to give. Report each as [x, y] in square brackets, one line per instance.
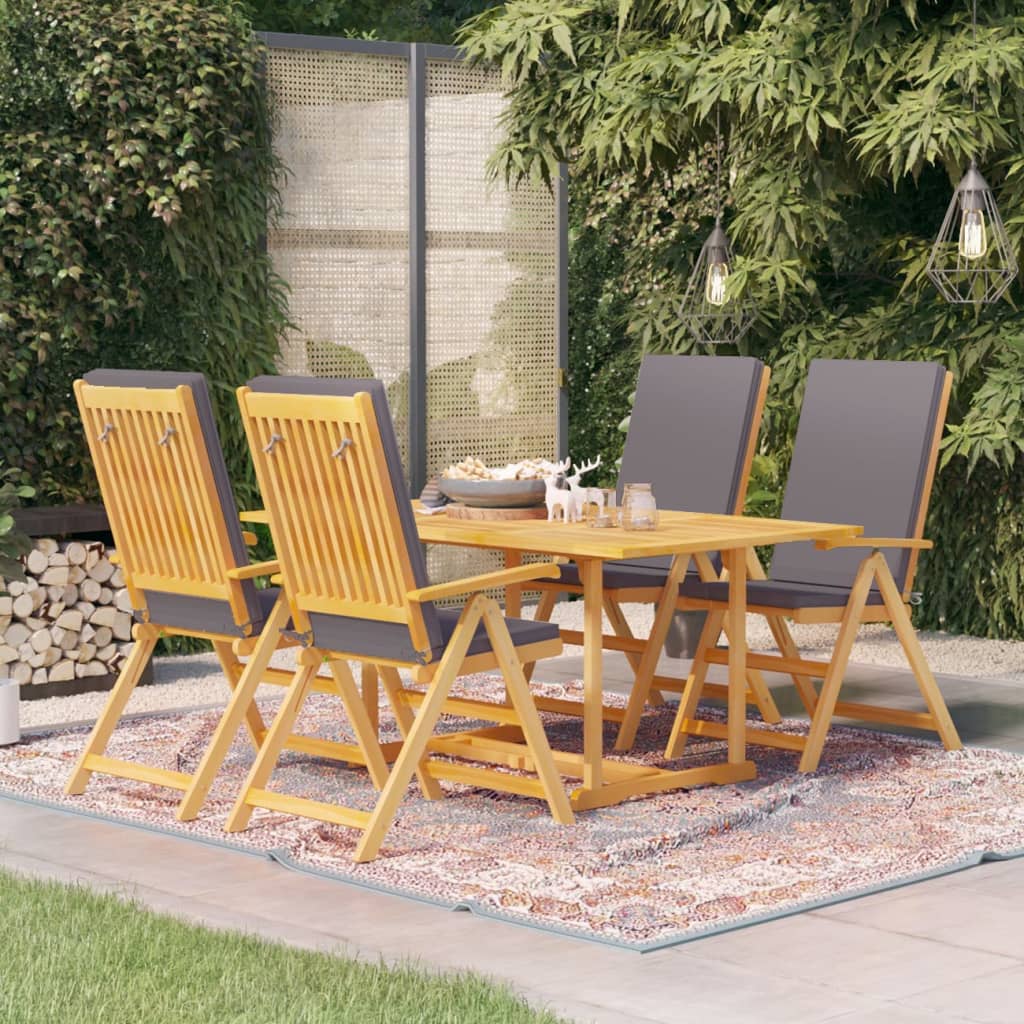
[557, 495]
[579, 493]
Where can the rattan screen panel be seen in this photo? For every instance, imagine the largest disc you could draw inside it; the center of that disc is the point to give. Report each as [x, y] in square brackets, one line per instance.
[491, 279]
[341, 127]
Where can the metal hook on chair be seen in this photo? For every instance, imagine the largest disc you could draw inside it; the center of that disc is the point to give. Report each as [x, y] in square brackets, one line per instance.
[107, 430]
[166, 439]
[339, 452]
[274, 438]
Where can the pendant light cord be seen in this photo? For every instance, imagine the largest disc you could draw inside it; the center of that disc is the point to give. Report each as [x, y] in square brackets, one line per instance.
[974, 58]
[718, 161]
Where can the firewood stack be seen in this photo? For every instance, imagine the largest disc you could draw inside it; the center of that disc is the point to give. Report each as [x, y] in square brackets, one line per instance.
[69, 620]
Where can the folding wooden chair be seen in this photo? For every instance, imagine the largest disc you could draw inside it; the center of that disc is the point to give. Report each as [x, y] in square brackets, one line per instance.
[355, 578]
[166, 490]
[865, 452]
[692, 434]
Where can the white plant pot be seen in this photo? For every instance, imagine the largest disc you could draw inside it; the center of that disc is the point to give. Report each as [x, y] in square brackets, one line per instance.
[10, 694]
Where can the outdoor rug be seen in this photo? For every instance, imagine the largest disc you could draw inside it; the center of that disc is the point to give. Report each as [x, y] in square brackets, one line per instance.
[882, 811]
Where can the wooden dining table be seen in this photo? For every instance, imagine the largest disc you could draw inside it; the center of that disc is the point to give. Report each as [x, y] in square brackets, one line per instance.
[682, 536]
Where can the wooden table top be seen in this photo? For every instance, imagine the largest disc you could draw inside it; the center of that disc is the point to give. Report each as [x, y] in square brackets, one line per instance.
[676, 533]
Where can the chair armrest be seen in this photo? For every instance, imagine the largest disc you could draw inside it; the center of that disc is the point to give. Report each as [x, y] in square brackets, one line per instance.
[918, 543]
[249, 572]
[499, 578]
[256, 515]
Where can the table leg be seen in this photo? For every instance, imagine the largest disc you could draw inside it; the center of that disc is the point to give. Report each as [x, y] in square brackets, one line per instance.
[514, 593]
[735, 562]
[592, 576]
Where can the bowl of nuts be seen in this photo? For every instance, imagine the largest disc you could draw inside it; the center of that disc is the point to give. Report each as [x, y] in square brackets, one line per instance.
[518, 485]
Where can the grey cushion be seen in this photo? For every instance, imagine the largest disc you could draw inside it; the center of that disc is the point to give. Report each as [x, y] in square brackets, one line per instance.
[860, 456]
[346, 387]
[688, 437]
[162, 380]
[203, 614]
[775, 594]
[389, 640]
[620, 575]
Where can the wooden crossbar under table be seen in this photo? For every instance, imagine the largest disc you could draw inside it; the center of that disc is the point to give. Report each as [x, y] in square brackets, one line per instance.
[681, 535]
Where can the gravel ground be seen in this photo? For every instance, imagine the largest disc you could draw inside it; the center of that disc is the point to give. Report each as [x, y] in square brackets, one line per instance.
[196, 681]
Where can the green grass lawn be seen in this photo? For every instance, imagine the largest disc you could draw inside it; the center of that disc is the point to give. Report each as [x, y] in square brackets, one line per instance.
[71, 955]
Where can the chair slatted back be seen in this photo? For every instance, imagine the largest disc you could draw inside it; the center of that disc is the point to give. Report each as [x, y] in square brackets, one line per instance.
[333, 508]
[158, 487]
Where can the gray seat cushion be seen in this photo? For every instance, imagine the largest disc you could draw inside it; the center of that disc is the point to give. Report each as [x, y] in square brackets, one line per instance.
[774, 594]
[689, 432]
[861, 455]
[170, 605]
[388, 640]
[622, 575]
[203, 614]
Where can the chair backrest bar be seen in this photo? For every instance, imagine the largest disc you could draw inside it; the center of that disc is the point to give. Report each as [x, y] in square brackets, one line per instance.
[334, 512]
[693, 431]
[156, 472]
[865, 452]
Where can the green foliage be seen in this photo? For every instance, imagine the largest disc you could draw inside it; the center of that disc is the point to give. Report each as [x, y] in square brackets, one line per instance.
[135, 182]
[431, 21]
[72, 954]
[13, 543]
[844, 127]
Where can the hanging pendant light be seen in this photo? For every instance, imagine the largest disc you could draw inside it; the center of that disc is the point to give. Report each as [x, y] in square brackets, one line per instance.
[972, 260]
[710, 312]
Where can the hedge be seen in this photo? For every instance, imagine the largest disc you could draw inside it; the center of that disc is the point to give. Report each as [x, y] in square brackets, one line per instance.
[136, 179]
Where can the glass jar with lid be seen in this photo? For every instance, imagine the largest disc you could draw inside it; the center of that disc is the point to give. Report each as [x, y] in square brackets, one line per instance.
[639, 509]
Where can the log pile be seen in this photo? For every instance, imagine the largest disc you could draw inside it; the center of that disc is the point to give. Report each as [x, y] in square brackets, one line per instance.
[70, 619]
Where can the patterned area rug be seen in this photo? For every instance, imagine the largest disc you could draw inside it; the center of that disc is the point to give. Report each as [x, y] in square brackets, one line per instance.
[882, 811]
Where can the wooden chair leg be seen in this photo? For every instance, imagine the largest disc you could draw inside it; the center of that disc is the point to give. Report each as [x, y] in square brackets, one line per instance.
[529, 718]
[233, 671]
[788, 649]
[649, 661]
[545, 608]
[694, 685]
[415, 746]
[848, 627]
[366, 734]
[763, 697]
[270, 751]
[242, 700]
[620, 627]
[429, 786]
[145, 641]
[915, 656]
[369, 687]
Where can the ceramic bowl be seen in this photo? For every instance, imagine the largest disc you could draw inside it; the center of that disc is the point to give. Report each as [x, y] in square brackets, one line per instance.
[494, 493]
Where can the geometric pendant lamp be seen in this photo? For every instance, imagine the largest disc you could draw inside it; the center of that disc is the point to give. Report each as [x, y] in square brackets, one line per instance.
[710, 310]
[713, 315]
[972, 260]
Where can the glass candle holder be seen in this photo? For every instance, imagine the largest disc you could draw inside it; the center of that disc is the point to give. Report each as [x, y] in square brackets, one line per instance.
[639, 509]
[599, 507]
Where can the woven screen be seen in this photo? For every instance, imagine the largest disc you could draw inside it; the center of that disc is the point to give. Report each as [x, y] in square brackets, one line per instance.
[342, 245]
[491, 272]
[491, 295]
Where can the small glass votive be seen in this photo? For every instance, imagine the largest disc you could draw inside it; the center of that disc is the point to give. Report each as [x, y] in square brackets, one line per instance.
[599, 507]
[639, 510]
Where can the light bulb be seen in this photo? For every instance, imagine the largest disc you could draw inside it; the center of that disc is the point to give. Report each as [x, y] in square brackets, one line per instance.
[714, 292]
[973, 237]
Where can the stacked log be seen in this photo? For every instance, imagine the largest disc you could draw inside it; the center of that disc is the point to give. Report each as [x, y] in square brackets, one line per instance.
[69, 619]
